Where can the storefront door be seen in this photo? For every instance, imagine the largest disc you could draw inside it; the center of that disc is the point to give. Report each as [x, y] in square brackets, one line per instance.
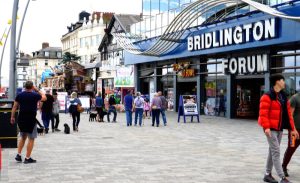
[248, 93]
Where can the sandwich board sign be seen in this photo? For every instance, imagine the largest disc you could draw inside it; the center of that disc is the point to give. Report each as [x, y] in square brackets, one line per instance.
[188, 107]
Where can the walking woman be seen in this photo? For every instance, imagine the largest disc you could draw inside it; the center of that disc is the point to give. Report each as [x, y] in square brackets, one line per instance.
[74, 101]
[156, 105]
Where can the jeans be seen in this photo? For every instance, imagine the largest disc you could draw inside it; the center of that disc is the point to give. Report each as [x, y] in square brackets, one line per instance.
[46, 117]
[128, 117]
[76, 119]
[112, 109]
[290, 151]
[55, 121]
[163, 114]
[155, 116]
[138, 114]
[274, 153]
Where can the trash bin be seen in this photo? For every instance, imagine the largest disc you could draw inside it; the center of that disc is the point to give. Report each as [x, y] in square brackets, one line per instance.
[8, 132]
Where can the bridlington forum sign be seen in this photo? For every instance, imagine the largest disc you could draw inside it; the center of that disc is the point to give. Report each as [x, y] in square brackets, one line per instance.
[258, 31]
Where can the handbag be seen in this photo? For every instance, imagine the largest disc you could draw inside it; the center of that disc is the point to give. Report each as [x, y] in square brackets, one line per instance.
[154, 107]
[79, 108]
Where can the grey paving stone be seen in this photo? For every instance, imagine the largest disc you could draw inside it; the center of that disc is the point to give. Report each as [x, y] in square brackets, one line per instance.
[215, 150]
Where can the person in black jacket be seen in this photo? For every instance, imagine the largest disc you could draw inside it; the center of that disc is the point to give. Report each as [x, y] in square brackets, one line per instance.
[112, 108]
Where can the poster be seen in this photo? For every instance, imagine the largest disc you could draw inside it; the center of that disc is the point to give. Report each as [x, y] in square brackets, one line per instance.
[152, 89]
[61, 97]
[85, 101]
[125, 77]
[99, 85]
[190, 105]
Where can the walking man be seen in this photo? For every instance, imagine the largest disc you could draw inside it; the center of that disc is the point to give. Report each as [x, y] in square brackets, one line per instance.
[139, 108]
[46, 108]
[27, 104]
[155, 109]
[55, 113]
[164, 106]
[275, 116]
[112, 108]
[292, 146]
[128, 103]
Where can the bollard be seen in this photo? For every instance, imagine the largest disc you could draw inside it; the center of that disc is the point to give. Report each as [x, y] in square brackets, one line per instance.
[0, 157]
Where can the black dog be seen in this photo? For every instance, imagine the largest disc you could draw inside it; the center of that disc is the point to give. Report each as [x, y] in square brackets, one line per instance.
[67, 128]
[40, 129]
[93, 116]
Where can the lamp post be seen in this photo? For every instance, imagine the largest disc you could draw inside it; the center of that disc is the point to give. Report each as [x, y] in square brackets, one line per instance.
[14, 48]
[12, 66]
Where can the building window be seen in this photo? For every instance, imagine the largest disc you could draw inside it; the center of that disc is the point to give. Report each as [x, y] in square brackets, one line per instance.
[46, 62]
[59, 55]
[47, 54]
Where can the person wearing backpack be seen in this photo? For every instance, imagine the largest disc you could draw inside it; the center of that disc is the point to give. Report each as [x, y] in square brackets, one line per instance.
[163, 107]
[138, 105]
[99, 106]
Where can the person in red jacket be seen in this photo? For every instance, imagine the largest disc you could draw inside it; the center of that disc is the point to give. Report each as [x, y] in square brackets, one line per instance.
[275, 116]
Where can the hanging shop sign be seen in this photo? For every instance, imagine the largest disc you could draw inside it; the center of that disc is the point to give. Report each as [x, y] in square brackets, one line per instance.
[125, 77]
[246, 65]
[257, 31]
[183, 69]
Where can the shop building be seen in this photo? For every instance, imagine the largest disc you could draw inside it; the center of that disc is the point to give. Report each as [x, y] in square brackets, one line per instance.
[113, 76]
[222, 52]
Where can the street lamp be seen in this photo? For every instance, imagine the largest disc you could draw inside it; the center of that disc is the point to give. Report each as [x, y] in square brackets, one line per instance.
[14, 49]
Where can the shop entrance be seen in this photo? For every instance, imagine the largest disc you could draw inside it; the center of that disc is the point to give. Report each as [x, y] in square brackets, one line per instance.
[248, 93]
[185, 88]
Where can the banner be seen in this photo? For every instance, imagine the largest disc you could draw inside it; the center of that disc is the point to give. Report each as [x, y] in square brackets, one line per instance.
[190, 104]
[99, 85]
[61, 97]
[125, 77]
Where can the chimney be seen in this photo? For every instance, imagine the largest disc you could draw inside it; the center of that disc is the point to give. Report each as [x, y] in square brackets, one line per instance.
[45, 45]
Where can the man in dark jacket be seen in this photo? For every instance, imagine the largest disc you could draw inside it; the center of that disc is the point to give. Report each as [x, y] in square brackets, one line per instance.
[275, 116]
[295, 108]
[47, 109]
[27, 104]
[112, 108]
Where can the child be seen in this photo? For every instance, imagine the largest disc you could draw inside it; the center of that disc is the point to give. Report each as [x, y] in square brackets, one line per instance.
[147, 108]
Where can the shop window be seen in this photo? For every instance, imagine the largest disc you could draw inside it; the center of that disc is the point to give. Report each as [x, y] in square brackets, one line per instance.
[214, 103]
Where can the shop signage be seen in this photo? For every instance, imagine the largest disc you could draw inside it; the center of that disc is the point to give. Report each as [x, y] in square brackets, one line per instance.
[125, 77]
[183, 69]
[257, 31]
[246, 65]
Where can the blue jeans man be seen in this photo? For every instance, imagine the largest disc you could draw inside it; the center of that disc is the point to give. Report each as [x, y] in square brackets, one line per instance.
[128, 117]
[112, 109]
[138, 114]
[163, 114]
[46, 117]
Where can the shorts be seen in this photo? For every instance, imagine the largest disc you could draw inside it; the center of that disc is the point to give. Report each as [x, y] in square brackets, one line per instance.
[32, 135]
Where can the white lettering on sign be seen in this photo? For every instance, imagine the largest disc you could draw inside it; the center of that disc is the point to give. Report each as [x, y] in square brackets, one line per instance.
[258, 31]
[246, 65]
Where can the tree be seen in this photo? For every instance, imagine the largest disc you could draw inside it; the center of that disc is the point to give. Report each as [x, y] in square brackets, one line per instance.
[68, 57]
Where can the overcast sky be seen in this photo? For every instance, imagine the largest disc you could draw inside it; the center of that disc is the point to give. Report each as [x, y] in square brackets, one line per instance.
[47, 20]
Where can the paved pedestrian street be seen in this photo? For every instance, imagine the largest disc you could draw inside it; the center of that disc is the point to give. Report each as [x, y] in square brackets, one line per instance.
[215, 150]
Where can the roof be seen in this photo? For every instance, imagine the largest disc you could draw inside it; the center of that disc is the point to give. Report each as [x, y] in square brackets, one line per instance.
[125, 20]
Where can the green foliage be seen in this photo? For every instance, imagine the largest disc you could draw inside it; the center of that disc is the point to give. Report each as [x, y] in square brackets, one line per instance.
[68, 57]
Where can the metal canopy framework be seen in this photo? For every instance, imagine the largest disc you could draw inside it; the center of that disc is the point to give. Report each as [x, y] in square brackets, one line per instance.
[172, 36]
